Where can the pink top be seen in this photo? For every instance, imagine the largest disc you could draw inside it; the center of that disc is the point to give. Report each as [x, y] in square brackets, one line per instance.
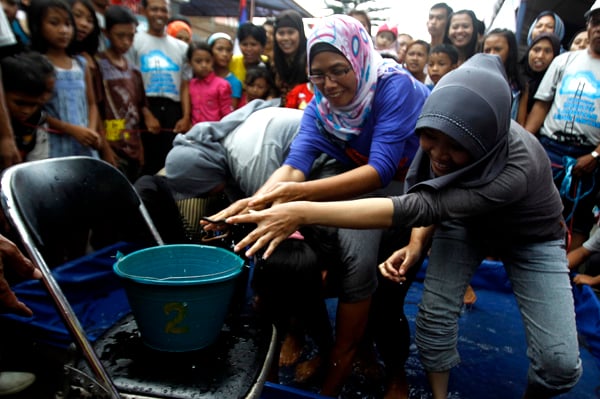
[210, 98]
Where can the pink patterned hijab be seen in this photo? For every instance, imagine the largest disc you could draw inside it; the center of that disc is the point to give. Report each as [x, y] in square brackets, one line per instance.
[348, 36]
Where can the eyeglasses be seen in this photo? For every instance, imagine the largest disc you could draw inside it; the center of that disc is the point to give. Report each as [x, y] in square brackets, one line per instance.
[333, 76]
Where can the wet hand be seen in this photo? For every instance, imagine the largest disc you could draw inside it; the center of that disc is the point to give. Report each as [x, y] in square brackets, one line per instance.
[278, 194]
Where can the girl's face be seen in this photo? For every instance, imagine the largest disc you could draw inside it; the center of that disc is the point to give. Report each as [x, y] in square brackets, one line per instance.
[222, 51]
[497, 44]
[580, 42]
[439, 65]
[251, 50]
[445, 154]
[385, 40]
[334, 77]
[84, 22]
[540, 55]
[259, 88]
[544, 25]
[416, 59]
[202, 63]
[57, 28]
[288, 40]
[461, 30]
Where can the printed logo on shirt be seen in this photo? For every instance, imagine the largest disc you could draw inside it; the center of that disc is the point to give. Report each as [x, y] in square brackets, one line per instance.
[159, 69]
[582, 90]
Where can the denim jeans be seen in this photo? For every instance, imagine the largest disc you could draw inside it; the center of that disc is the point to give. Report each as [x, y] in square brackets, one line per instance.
[539, 276]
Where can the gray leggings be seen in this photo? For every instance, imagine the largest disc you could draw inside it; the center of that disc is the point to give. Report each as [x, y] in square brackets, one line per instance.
[540, 280]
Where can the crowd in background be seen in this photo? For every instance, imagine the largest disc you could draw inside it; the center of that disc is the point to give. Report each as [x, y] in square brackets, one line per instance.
[79, 77]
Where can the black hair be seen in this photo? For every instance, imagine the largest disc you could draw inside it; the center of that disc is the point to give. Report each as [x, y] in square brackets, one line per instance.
[257, 72]
[26, 73]
[390, 56]
[447, 49]
[420, 42]
[198, 45]
[35, 16]
[248, 29]
[513, 72]
[364, 14]
[293, 271]
[471, 47]
[445, 6]
[90, 43]
[269, 22]
[115, 15]
[290, 71]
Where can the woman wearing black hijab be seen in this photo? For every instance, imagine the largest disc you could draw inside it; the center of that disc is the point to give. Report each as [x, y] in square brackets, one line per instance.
[538, 58]
[289, 52]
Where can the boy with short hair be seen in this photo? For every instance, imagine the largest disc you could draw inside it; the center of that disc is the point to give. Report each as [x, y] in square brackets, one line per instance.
[123, 108]
[443, 58]
[162, 61]
[28, 80]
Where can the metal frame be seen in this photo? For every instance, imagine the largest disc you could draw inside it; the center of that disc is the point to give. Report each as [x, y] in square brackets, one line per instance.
[10, 204]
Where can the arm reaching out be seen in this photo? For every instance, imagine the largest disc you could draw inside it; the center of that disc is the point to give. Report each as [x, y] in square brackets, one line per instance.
[278, 222]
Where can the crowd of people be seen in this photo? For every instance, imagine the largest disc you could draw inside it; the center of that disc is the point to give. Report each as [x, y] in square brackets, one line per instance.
[343, 129]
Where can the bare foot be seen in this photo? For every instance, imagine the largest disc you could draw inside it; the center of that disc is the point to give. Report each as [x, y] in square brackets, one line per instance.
[470, 296]
[307, 369]
[397, 387]
[291, 349]
[366, 363]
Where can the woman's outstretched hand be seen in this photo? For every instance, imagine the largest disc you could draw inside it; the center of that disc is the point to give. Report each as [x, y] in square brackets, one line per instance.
[273, 225]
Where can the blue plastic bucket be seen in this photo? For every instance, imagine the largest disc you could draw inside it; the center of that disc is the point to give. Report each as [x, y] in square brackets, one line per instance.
[179, 294]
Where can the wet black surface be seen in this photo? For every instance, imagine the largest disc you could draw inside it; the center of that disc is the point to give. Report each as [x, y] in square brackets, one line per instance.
[227, 369]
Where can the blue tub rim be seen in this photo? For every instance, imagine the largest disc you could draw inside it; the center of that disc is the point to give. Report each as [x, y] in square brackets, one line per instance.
[230, 273]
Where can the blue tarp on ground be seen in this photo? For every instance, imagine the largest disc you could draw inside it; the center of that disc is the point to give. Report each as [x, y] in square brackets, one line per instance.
[93, 290]
[491, 337]
[491, 343]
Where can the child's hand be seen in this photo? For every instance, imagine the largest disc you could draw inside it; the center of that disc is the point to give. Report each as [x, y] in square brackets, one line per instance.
[86, 136]
[585, 279]
[182, 126]
[152, 124]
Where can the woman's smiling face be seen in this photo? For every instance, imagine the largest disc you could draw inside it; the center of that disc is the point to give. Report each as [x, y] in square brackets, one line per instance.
[341, 90]
[446, 154]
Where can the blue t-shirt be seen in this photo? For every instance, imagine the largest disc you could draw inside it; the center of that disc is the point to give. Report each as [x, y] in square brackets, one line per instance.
[236, 85]
[387, 142]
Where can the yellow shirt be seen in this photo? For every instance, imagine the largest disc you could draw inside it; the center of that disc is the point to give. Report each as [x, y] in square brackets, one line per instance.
[237, 67]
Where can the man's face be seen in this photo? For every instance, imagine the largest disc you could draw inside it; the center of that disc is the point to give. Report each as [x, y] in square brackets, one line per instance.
[157, 13]
[593, 30]
[436, 24]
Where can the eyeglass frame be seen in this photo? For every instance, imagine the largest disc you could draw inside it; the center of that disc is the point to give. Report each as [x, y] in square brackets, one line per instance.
[333, 76]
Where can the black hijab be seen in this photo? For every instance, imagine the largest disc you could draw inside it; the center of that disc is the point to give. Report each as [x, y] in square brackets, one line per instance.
[535, 78]
[471, 105]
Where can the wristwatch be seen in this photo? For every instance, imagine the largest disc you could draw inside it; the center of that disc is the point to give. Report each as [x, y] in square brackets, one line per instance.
[595, 155]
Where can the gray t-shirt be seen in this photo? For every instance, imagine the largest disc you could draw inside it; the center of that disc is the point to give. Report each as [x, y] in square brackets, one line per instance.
[571, 83]
[162, 62]
[258, 147]
[520, 205]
